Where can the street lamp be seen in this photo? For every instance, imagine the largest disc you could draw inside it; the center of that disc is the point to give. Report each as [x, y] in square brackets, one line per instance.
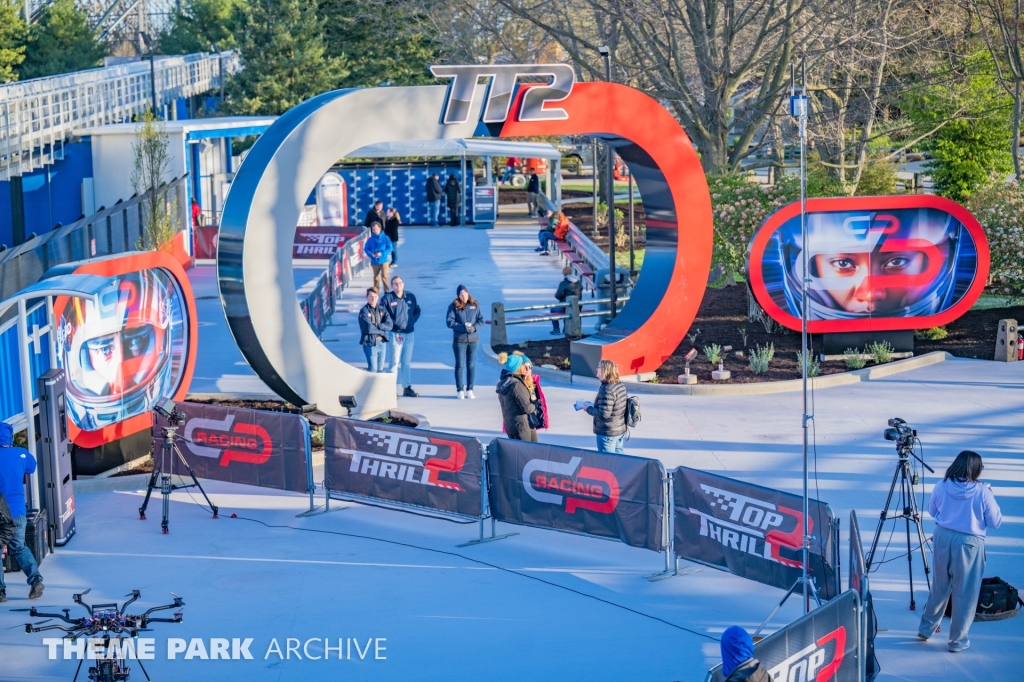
[612, 304]
[146, 42]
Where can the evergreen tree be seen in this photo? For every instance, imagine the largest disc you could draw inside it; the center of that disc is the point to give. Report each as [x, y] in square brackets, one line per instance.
[200, 24]
[12, 39]
[59, 42]
[381, 41]
[284, 58]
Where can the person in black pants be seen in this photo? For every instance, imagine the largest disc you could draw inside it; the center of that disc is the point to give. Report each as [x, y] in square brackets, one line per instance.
[375, 214]
[464, 319]
[453, 193]
[391, 230]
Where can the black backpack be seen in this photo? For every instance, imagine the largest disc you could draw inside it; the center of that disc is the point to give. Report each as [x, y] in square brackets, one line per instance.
[998, 600]
[632, 411]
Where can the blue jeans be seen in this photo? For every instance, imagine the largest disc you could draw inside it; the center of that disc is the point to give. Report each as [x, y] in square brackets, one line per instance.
[400, 356]
[433, 210]
[557, 311]
[612, 444]
[545, 238]
[509, 172]
[375, 356]
[465, 357]
[22, 553]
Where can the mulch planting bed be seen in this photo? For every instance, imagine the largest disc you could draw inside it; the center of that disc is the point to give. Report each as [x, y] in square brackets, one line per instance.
[723, 313]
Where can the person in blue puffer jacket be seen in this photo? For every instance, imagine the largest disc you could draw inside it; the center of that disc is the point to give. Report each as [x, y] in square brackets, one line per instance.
[379, 247]
[464, 319]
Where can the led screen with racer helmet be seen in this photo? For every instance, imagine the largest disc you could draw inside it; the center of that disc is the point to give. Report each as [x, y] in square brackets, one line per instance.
[126, 349]
[873, 263]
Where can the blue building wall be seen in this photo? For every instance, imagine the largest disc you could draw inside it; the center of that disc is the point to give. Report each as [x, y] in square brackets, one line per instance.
[11, 403]
[402, 185]
[51, 195]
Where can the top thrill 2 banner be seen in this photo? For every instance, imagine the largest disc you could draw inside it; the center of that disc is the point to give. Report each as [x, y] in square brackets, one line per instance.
[408, 466]
[751, 531]
[823, 646]
[611, 496]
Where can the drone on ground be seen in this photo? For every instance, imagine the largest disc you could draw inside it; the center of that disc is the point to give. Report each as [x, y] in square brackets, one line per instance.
[106, 622]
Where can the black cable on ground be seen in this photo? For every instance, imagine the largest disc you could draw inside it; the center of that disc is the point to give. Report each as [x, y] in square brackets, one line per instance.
[482, 563]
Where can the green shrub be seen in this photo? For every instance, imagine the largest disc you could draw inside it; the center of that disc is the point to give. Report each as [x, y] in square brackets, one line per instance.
[881, 352]
[853, 358]
[933, 334]
[316, 436]
[761, 357]
[713, 353]
[813, 364]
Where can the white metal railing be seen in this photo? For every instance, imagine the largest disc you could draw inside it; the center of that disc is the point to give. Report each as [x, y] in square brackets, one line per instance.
[38, 115]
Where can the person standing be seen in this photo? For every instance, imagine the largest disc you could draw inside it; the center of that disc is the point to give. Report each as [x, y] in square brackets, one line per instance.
[404, 311]
[374, 325]
[962, 508]
[533, 195]
[391, 230]
[510, 169]
[570, 286]
[378, 247]
[15, 465]
[738, 662]
[453, 192]
[464, 318]
[375, 214]
[197, 214]
[608, 409]
[434, 194]
[515, 394]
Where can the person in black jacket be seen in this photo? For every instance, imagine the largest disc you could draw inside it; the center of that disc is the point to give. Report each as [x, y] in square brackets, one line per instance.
[515, 394]
[391, 230]
[464, 319]
[609, 409]
[570, 286]
[453, 192]
[533, 195]
[375, 214]
[434, 194]
[6, 533]
[374, 325]
[404, 311]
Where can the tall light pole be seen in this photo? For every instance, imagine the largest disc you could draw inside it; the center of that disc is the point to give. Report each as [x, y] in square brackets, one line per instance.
[798, 110]
[144, 42]
[607, 54]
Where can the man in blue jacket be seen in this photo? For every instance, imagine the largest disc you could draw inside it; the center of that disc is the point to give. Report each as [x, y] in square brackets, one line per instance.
[403, 310]
[15, 463]
[374, 325]
[378, 247]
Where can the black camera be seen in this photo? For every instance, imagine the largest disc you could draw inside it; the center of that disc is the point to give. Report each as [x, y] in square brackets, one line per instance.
[900, 432]
[169, 411]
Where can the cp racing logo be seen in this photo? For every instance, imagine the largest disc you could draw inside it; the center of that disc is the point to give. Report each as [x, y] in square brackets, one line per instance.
[226, 441]
[408, 458]
[752, 525]
[571, 486]
[808, 664]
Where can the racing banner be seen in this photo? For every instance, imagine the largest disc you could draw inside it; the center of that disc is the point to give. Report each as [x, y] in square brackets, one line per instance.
[612, 496]
[268, 449]
[751, 531]
[823, 646]
[408, 466]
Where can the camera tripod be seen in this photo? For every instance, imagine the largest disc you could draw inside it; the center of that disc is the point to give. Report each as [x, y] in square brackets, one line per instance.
[910, 512]
[165, 470]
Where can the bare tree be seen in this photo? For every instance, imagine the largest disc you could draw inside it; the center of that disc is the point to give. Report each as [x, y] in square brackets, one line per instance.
[1001, 24]
[151, 160]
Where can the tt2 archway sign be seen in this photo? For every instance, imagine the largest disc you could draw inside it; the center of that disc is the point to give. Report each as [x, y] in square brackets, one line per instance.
[254, 253]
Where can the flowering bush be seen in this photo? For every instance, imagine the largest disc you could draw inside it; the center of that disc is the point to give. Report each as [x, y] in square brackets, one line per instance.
[739, 207]
[999, 207]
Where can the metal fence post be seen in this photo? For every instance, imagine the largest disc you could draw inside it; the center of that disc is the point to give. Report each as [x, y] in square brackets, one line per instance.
[573, 325]
[499, 337]
[835, 556]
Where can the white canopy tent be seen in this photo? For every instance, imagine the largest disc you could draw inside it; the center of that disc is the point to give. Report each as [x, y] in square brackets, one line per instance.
[469, 147]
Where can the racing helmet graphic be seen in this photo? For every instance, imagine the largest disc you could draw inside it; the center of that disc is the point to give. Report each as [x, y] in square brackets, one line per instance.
[898, 263]
[118, 353]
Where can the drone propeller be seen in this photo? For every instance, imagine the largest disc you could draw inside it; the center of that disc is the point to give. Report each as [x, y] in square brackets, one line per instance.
[134, 593]
[20, 625]
[34, 607]
[82, 594]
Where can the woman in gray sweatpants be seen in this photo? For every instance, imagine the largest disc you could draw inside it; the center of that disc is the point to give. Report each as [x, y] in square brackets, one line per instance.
[962, 508]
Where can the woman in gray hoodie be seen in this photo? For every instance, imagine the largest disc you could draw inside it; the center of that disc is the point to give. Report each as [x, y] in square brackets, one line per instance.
[962, 508]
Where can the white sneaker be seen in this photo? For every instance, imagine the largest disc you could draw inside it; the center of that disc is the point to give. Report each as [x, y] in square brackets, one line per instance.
[469, 394]
[462, 395]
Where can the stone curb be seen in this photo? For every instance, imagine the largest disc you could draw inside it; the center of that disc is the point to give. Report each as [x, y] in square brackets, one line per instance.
[842, 379]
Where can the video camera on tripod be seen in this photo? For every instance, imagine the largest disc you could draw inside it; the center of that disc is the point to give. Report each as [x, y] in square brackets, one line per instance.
[899, 430]
[175, 418]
